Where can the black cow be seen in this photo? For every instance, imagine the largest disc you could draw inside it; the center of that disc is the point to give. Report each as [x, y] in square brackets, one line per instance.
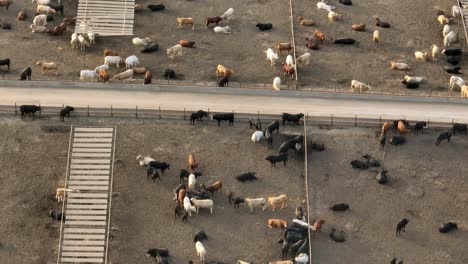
[292, 118]
[191, 193]
[56, 7]
[346, 2]
[291, 144]
[383, 139]
[454, 60]
[248, 176]
[158, 7]
[163, 252]
[337, 236]
[447, 227]
[225, 116]
[159, 165]
[29, 109]
[419, 126]
[56, 215]
[397, 140]
[461, 128]
[5, 26]
[395, 261]
[200, 236]
[264, 26]
[26, 74]
[66, 112]
[238, 201]
[282, 157]
[256, 124]
[223, 82]
[169, 74]
[401, 226]
[357, 164]
[339, 207]
[5, 62]
[150, 48]
[345, 41]
[452, 69]
[444, 135]
[198, 116]
[152, 173]
[410, 85]
[452, 52]
[185, 173]
[275, 125]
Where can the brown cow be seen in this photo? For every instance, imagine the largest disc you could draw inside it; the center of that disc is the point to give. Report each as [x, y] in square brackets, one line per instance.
[192, 162]
[58, 30]
[69, 20]
[402, 129]
[148, 77]
[311, 45]
[212, 20]
[218, 185]
[104, 75]
[21, 16]
[289, 70]
[277, 223]
[283, 46]
[108, 52]
[318, 226]
[319, 36]
[181, 196]
[187, 44]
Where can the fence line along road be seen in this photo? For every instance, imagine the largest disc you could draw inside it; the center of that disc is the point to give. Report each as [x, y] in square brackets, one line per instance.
[52, 111]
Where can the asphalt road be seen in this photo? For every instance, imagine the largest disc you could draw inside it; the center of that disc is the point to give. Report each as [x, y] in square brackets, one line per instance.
[239, 102]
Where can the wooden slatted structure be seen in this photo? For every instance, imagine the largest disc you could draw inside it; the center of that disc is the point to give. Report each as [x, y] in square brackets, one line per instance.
[84, 234]
[106, 17]
[464, 16]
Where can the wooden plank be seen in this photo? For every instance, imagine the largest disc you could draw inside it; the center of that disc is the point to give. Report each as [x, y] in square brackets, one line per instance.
[88, 195]
[84, 223]
[86, 201]
[86, 206]
[89, 172]
[90, 161]
[89, 188]
[85, 230]
[86, 212]
[82, 254]
[80, 236]
[76, 177]
[99, 140]
[76, 166]
[78, 248]
[89, 147]
[94, 129]
[82, 260]
[84, 242]
[86, 217]
[84, 182]
[91, 155]
[96, 135]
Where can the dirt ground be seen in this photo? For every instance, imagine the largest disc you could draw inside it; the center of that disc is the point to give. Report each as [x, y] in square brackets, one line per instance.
[427, 185]
[414, 27]
[142, 213]
[33, 165]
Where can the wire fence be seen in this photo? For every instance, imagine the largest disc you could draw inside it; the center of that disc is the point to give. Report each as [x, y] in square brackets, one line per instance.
[157, 112]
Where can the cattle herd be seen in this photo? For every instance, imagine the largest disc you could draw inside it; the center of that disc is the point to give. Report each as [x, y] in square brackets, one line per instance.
[47, 10]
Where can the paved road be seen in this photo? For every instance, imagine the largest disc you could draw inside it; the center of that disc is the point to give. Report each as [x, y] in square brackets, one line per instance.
[265, 103]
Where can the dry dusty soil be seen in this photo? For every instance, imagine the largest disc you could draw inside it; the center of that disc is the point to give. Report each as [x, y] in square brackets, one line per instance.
[427, 186]
[414, 27]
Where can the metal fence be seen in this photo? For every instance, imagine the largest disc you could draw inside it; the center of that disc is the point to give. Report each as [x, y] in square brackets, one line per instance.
[52, 111]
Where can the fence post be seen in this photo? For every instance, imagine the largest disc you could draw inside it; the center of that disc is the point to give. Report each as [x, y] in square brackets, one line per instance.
[355, 120]
[88, 110]
[208, 113]
[16, 110]
[136, 111]
[112, 114]
[184, 114]
[40, 112]
[380, 121]
[258, 115]
[159, 112]
[331, 120]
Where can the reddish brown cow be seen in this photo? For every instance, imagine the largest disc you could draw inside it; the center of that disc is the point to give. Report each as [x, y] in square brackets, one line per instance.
[21, 16]
[193, 164]
[148, 77]
[318, 226]
[319, 36]
[187, 44]
[108, 52]
[289, 70]
[58, 30]
[181, 196]
[104, 75]
[69, 21]
[311, 45]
